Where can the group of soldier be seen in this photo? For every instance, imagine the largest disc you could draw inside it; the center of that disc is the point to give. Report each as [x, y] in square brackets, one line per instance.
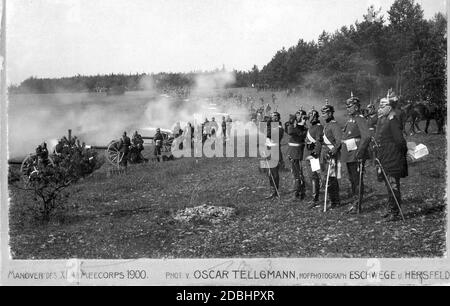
[377, 135]
[131, 149]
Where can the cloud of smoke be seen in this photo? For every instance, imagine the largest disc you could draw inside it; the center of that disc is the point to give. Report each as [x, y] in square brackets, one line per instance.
[96, 119]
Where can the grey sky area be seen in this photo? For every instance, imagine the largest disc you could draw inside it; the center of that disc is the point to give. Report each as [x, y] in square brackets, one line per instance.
[54, 38]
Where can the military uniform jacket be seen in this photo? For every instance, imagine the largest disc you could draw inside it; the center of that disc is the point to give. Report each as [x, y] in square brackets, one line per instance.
[313, 140]
[297, 140]
[332, 136]
[124, 144]
[372, 124]
[280, 137]
[392, 146]
[356, 130]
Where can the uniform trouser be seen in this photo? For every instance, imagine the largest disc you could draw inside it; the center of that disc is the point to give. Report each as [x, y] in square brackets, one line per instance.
[333, 190]
[274, 177]
[395, 184]
[315, 185]
[297, 171]
[353, 175]
[124, 160]
[157, 151]
[333, 186]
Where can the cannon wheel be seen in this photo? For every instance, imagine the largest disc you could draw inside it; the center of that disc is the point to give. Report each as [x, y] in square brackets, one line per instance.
[26, 164]
[113, 155]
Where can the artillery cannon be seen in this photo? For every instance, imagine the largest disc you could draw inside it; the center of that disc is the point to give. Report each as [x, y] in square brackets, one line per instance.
[114, 155]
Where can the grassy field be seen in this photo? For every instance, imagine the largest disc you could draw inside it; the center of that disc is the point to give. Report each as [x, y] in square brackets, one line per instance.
[132, 215]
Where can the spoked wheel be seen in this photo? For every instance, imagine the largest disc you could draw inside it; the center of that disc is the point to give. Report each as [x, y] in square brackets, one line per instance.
[29, 167]
[113, 154]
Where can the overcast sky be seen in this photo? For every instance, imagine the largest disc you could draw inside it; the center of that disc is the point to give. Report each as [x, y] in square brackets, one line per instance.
[54, 38]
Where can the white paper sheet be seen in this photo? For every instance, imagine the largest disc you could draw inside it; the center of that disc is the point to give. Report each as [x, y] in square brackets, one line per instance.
[351, 144]
[315, 164]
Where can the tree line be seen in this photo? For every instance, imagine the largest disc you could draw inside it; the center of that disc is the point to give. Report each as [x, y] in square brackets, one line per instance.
[402, 51]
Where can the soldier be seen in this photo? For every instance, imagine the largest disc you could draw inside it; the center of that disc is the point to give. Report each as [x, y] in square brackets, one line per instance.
[158, 139]
[297, 131]
[214, 126]
[330, 152]
[391, 151]
[229, 122]
[371, 118]
[224, 127]
[312, 151]
[124, 148]
[42, 154]
[138, 143]
[355, 139]
[273, 173]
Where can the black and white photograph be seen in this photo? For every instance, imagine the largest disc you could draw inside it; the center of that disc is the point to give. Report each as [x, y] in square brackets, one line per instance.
[223, 129]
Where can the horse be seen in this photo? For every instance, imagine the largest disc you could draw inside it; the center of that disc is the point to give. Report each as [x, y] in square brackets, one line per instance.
[419, 111]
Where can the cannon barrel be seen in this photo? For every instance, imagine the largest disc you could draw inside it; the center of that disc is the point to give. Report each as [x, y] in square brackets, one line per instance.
[147, 137]
[97, 147]
[14, 162]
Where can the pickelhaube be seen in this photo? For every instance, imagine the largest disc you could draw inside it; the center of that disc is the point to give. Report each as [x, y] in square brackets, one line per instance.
[327, 109]
[352, 101]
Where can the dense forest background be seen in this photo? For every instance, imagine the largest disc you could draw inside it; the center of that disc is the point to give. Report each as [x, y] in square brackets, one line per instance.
[402, 51]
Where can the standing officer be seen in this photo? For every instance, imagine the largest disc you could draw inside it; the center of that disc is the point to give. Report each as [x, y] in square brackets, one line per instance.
[313, 147]
[355, 140]
[124, 148]
[158, 139]
[273, 172]
[371, 118]
[297, 131]
[391, 151]
[331, 145]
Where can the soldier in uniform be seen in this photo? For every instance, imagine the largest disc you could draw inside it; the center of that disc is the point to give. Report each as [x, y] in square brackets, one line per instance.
[391, 152]
[42, 154]
[297, 131]
[158, 139]
[313, 147]
[214, 126]
[330, 152]
[371, 118]
[138, 143]
[355, 141]
[124, 148]
[273, 173]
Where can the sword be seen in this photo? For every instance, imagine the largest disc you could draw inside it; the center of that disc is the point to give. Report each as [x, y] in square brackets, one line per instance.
[386, 179]
[390, 188]
[361, 175]
[326, 187]
[271, 176]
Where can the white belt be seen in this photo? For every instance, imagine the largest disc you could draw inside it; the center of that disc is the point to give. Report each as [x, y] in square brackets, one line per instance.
[291, 144]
